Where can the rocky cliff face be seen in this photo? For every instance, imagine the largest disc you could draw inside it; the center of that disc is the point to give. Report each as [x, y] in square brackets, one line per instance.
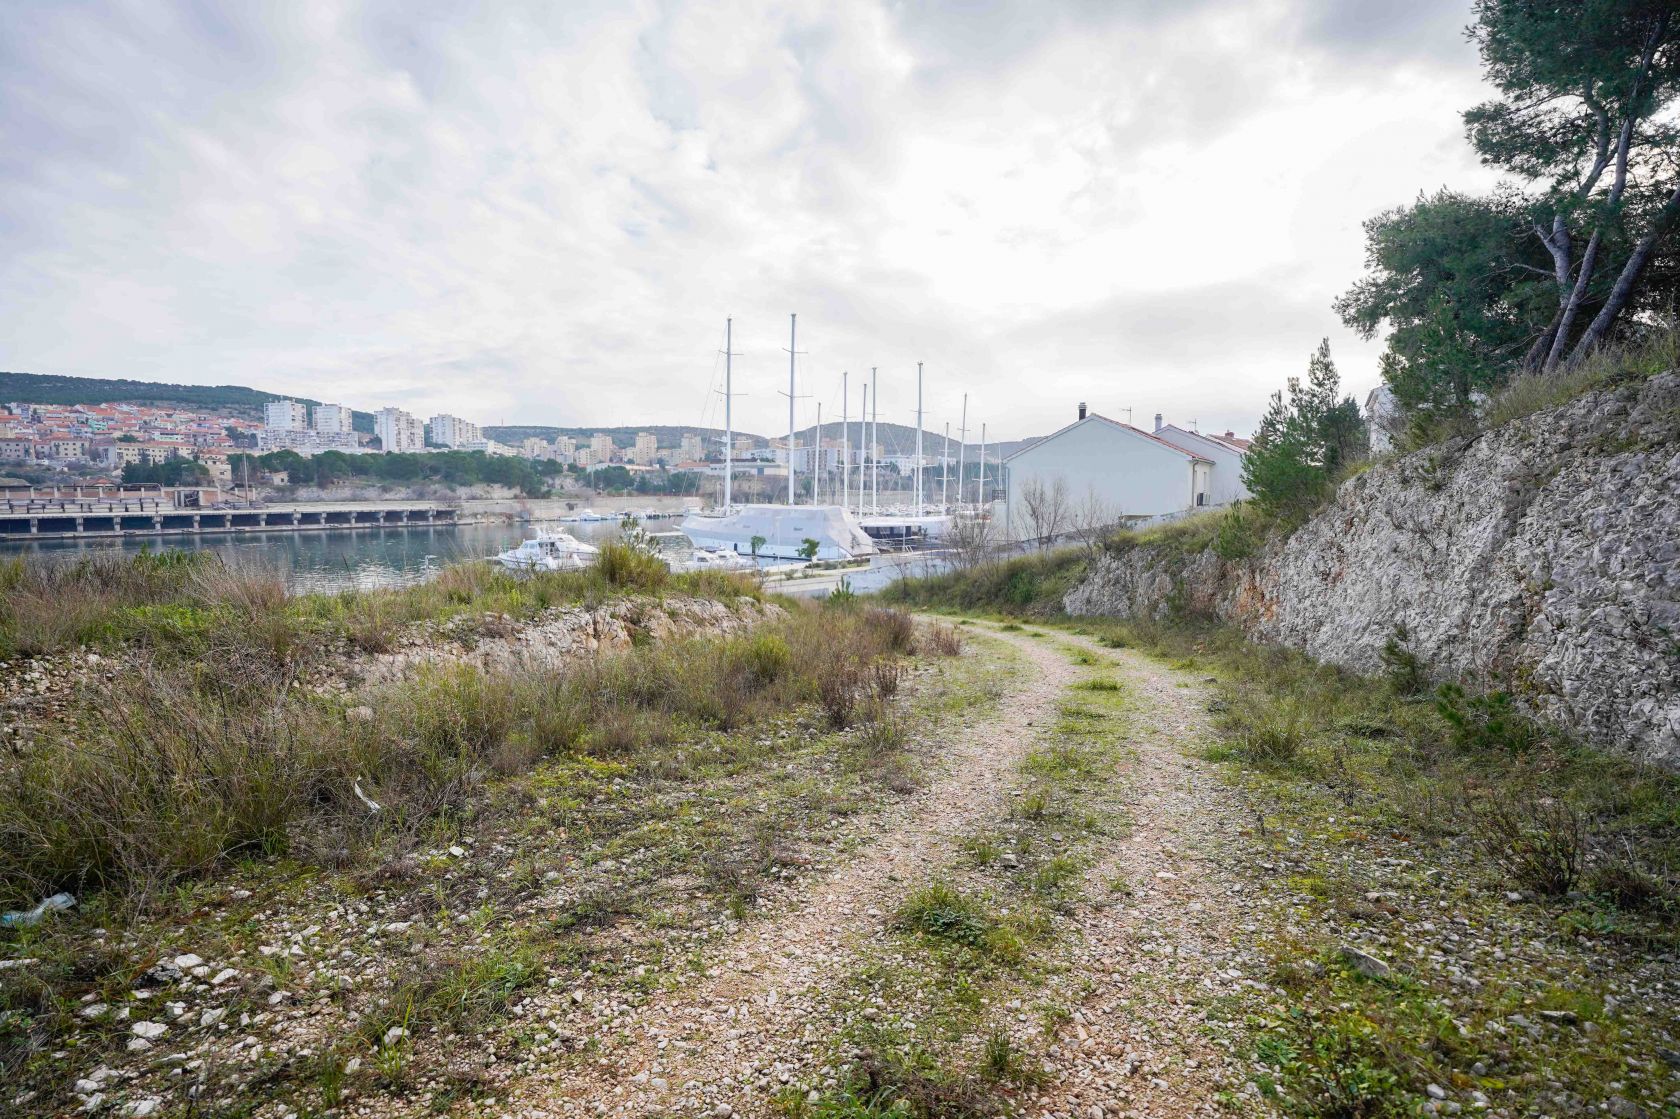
[1542, 558]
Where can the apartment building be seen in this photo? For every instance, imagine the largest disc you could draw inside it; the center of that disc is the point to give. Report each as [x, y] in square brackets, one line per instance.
[452, 431]
[647, 449]
[333, 419]
[398, 431]
[285, 415]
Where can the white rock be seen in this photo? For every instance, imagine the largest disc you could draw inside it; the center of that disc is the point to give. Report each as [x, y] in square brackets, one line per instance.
[394, 1035]
[149, 1030]
[212, 1016]
[188, 961]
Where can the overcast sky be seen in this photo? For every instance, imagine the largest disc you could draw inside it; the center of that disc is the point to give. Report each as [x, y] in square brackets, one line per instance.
[542, 213]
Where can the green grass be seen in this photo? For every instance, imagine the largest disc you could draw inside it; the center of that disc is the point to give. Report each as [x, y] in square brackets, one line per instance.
[1613, 365]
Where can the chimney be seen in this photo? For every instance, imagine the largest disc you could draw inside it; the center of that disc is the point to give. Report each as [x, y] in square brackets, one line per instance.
[1158, 424]
[1081, 409]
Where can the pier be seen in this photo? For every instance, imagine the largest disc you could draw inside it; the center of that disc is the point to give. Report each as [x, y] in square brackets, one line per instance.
[40, 519]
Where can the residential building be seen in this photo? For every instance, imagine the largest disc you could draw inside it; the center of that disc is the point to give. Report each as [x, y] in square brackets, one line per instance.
[602, 447]
[1099, 470]
[693, 448]
[452, 431]
[533, 448]
[285, 415]
[564, 445]
[309, 442]
[1226, 453]
[584, 457]
[17, 450]
[647, 449]
[333, 419]
[398, 431]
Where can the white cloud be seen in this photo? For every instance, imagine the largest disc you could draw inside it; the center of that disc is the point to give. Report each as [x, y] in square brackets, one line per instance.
[543, 214]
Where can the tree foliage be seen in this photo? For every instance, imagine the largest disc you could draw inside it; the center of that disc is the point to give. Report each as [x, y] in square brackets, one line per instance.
[1580, 246]
[1306, 439]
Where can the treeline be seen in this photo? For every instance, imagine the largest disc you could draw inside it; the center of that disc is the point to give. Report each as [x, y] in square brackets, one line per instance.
[1563, 278]
[453, 468]
[1576, 249]
[46, 388]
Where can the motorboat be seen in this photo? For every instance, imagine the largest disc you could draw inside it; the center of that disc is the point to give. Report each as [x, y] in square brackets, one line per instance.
[681, 555]
[549, 551]
[587, 517]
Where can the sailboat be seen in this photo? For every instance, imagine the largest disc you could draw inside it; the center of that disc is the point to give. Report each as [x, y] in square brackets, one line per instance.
[775, 531]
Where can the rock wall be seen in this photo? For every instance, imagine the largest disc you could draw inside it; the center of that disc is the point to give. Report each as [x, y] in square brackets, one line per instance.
[1541, 558]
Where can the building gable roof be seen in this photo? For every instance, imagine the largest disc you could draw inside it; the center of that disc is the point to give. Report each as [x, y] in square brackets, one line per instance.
[1127, 428]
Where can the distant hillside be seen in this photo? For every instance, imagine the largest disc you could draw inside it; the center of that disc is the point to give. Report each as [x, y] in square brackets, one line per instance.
[232, 400]
[896, 439]
[900, 439]
[667, 434]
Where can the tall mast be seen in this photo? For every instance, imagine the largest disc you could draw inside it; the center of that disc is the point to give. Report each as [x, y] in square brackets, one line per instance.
[816, 463]
[793, 333]
[945, 471]
[918, 470]
[962, 449]
[863, 434]
[845, 440]
[728, 415]
[875, 443]
[980, 482]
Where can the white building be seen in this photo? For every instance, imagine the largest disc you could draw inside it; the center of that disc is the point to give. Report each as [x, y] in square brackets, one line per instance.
[285, 415]
[1099, 469]
[602, 446]
[308, 442]
[452, 431]
[334, 419]
[1224, 451]
[693, 448]
[647, 449]
[398, 431]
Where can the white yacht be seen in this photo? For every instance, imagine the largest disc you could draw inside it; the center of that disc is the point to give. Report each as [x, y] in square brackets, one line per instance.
[681, 555]
[587, 517]
[549, 551]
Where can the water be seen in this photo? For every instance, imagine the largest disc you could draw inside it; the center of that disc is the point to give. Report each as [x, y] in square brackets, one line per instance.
[369, 558]
[329, 561]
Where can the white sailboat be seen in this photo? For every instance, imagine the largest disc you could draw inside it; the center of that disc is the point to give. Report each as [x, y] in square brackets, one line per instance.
[775, 531]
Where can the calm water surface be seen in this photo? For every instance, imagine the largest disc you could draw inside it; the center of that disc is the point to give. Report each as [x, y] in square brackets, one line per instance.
[339, 560]
[368, 558]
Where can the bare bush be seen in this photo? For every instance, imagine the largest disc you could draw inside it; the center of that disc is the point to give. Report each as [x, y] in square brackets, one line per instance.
[1541, 842]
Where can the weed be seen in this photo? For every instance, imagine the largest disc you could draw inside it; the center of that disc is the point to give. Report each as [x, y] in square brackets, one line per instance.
[1540, 841]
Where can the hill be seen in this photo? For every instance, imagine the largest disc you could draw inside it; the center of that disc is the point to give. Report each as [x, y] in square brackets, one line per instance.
[232, 400]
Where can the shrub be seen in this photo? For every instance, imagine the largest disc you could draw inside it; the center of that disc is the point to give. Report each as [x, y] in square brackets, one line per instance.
[1268, 729]
[1486, 722]
[151, 780]
[1401, 667]
[1540, 842]
[627, 567]
[943, 640]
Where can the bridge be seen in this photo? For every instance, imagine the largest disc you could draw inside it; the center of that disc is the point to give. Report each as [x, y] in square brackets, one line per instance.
[40, 520]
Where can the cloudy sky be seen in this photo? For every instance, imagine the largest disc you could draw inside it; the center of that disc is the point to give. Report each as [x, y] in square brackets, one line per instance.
[543, 213]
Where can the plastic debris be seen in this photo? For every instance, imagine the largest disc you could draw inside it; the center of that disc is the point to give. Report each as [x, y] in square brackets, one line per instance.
[364, 798]
[22, 918]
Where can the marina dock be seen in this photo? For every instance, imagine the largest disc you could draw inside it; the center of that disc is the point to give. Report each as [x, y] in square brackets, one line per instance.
[39, 519]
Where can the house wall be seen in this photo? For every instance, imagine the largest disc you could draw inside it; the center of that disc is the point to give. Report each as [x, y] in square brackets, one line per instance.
[1132, 474]
[1226, 484]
